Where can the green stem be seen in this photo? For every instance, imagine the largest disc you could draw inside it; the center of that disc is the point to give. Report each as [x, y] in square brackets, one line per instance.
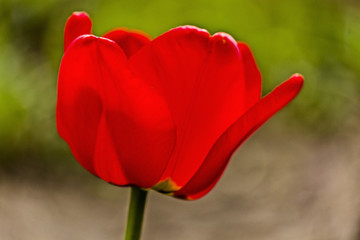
[136, 213]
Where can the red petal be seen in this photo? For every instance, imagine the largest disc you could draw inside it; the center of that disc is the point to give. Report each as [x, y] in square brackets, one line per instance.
[127, 127]
[211, 170]
[78, 115]
[129, 41]
[251, 74]
[78, 23]
[201, 79]
[106, 162]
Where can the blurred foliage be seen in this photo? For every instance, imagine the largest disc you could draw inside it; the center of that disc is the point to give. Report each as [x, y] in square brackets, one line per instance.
[319, 39]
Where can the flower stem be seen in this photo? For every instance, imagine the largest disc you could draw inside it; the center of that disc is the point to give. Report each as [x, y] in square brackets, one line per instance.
[135, 214]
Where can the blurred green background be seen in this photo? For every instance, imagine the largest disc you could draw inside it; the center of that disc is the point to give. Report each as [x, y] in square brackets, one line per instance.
[317, 38]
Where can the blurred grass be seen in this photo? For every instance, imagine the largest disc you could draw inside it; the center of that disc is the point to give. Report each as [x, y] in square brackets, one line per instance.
[319, 39]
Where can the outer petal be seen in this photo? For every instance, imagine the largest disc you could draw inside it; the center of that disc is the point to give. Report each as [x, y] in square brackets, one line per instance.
[96, 94]
[251, 74]
[129, 41]
[202, 80]
[78, 115]
[78, 23]
[211, 170]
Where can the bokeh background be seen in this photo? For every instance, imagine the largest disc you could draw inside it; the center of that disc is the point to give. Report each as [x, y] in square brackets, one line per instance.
[298, 177]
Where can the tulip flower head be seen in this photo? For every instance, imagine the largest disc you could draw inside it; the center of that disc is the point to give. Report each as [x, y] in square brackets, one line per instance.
[164, 114]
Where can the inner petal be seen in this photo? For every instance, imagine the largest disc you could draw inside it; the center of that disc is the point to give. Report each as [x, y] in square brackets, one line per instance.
[202, 80]
[129, 41]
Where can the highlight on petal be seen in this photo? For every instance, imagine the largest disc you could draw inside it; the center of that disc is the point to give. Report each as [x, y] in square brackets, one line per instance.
[201, 78]
[217, 159]
[121, 138]
[129, 41]
[78, 23]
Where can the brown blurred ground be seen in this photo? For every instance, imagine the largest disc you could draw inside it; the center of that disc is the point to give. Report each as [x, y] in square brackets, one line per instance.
[289, 187]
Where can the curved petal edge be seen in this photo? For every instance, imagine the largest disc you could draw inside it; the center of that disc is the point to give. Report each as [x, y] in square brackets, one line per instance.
[217, 159]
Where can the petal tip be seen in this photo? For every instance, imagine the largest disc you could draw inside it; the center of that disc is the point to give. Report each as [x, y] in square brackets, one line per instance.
[85, 39]
[224, 37]
[89, 38]
[80, 14]
[190, 29]
[297, 79]
[77, 24]
[226, 41]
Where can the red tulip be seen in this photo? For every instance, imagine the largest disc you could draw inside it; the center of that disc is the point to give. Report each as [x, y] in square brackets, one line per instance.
[165, 114]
